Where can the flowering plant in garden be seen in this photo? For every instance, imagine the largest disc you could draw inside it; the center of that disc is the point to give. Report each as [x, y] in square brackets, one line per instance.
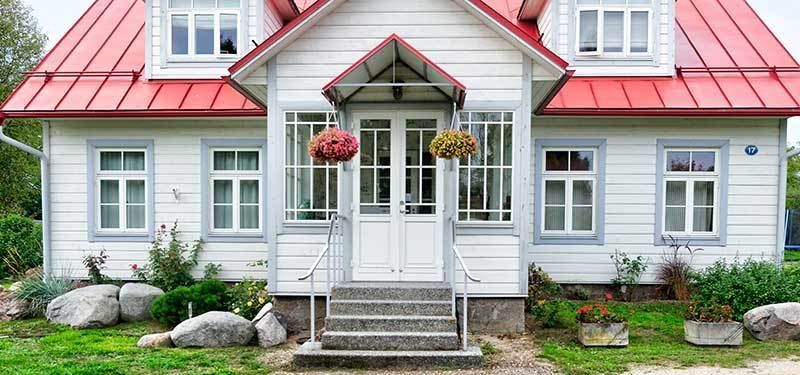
[333, 145]
[709, 313]
[453, 144]
[248, 297]
[598, 313]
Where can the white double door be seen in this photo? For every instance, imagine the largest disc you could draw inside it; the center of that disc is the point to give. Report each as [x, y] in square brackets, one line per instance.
[397, 226]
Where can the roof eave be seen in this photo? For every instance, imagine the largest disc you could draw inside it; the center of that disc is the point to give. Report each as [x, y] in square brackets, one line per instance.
[677, 112]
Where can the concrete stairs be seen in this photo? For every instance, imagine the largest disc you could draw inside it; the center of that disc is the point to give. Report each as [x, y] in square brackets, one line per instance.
[374, 325]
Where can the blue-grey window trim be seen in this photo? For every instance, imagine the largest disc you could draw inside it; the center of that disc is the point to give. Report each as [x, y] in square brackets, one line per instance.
[724, 154]
[600, 191]
[205, 234]
[91, 146]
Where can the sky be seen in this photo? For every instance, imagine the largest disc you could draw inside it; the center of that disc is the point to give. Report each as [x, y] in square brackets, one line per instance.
[55, 18]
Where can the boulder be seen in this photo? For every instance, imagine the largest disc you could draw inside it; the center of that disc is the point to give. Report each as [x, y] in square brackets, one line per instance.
[135, 300]
[271, 331]
[10, 307]
[264, 310]
[774, 322]
[156, 340]
[90, 307]
[212, 330]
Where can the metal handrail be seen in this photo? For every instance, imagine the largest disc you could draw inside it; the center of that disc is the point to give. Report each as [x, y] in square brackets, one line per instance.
[467, 277]
[333, 260]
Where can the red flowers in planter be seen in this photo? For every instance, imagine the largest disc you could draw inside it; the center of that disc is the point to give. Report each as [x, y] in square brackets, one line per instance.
[598, 313]
[333, 145]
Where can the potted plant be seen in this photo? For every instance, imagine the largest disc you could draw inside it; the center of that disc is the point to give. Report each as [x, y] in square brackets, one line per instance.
[711, 324]
[333, 145]
[600, 327]
[453, 144]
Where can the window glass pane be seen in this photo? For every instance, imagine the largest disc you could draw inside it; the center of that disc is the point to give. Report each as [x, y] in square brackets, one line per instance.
[229, 3]
[508, 145]
[204, 4]
[134, 161]
[554, 218]
[314, 117]
[639, 32]
[493, 144]
[588, 31]
[675, 219]
[494, 196]
[320, 188]
[678, 161]
[703, 219]
[248, 192]
[384, 145]
[109, 217]
[367, 185]
[704, 193]
[109, 191]
[223, 191]
[224, 160]
[507, 189]
[204, 34]
[582, 218]
[180, 34]
[477, 192]
[303, 137]
[333, 197]
[135, 216]
[703, 161]
[228, 35]
[223, 217]
[557, 160]
[248, 160]
[134, 191]
[581, 160]
[613, 31]
[555, 193]
[676, 193]
[463, 188]
[110, 161]
[427, 138]
[413, 148]
[180, 3]
[304, 189]
[248, 217]
[478, 130]
[582, 193]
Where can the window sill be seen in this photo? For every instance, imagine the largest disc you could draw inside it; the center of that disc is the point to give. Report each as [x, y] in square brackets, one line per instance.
[311, 227]
[694, 240]
[120, 237]
[234, 238]
[568, 240]
[484, 228]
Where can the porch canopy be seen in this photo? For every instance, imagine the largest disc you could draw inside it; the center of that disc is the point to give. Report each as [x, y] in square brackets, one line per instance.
[394, 71]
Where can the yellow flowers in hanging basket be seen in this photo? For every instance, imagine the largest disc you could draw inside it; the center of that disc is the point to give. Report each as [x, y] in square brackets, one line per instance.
[453, 144]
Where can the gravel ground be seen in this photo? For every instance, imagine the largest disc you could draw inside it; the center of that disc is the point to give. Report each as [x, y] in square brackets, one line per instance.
[771, 367]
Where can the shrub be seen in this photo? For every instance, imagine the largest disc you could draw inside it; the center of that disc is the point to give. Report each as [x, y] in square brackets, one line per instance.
[540, 287]
[39, 290]
[746, 285]
[248, 297]
[709, 312]
[173, 307]
[598, 313]
[580, 293]
[675, 271]
[629, 273]
[21, 236]
[170, 261]
[555, 314]
[94, 265]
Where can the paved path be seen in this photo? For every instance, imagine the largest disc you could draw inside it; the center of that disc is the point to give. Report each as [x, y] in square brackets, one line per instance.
[771, 367]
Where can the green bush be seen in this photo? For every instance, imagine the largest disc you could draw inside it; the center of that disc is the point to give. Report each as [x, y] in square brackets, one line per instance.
[170, 261]
[540, 287]
[248, 297]
[21, 235]
[555, 314]
[173, 307]
[746, 285]
[38, 291]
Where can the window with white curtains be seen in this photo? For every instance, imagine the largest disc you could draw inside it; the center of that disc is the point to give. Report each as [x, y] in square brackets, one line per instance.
[203, 28]
[614, 27]
[485, 179]
[122, 185]
[691, 191]
[235, 178]
[569, 180]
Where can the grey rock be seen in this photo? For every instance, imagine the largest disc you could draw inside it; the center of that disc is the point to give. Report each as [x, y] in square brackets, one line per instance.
[264, 310]
[90, 307]
[156, 340]
[10, 307]
[270, 331]
[774, 322]
[212, 330]
[135, 301]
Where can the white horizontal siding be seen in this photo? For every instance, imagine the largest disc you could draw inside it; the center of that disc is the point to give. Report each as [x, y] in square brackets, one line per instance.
[494, 260]
[631, 192]
[177, 166]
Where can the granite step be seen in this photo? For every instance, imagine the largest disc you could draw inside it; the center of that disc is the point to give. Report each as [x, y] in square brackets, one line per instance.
[390, 340]
[417, 291]
[311, 354]
[390, 323]
[390, 307]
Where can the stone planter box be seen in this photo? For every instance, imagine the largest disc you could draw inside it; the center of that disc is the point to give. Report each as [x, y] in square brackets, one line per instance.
[603, 334]
[716, 334]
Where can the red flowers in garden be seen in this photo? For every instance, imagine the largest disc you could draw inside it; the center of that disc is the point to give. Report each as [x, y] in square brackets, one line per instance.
[598, 313]
[333, 145]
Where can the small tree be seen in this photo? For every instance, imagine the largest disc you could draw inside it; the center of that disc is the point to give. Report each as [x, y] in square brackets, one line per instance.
[170, 261]
[629, 273]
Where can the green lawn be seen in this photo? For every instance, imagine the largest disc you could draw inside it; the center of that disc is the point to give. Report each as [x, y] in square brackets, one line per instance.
[791, 256]
[656, 339]
[37, 347]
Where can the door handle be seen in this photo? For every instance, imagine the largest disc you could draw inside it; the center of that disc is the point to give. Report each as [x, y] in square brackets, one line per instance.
[405, 209]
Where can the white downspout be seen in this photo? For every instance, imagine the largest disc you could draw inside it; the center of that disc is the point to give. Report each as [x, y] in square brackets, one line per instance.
[45, 175]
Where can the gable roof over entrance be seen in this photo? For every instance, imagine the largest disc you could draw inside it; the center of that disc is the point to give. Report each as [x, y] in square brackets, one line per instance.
[385, 56]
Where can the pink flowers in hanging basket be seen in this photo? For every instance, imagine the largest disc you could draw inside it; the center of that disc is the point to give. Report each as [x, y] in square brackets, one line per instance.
[333, 145]
[453, 144]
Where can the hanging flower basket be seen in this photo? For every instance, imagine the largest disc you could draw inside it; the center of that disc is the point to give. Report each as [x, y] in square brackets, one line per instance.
[453, 144]
[333, 145]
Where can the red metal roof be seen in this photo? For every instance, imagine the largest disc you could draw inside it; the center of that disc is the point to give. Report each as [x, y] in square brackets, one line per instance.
[95, 71]
[728, 63]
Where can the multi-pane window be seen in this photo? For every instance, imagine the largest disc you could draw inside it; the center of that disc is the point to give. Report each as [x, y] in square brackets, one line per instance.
[122, 185]
[691, 191]
[203, 28]
[485, 178]
[310, 186]
[569, 179]
[235, 176]
[614, 27]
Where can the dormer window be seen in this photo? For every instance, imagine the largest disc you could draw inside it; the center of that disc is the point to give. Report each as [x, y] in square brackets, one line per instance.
[204, 29]
[614, 28]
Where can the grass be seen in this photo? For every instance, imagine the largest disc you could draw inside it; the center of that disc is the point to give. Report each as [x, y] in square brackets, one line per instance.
[37, 347]
[791, 256]
[656, 339]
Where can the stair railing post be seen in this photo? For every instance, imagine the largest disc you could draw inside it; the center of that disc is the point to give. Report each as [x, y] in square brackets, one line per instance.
[464, 315]
[313, 312]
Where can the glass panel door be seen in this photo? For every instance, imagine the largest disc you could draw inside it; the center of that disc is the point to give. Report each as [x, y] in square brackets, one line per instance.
[376, 161]
[420, 168]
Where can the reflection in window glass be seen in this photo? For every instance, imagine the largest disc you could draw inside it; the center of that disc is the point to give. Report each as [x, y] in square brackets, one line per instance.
[228, 35]
[180, 34]
[588, 31]
[204, 34]
[640, 32]
[613, 31]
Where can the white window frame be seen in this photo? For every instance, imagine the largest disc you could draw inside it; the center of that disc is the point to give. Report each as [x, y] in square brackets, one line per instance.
[569, 177]
[236, 176]
[122, 176]
[627, 10]
[690, 178]
[216, 13]
[466, 125]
